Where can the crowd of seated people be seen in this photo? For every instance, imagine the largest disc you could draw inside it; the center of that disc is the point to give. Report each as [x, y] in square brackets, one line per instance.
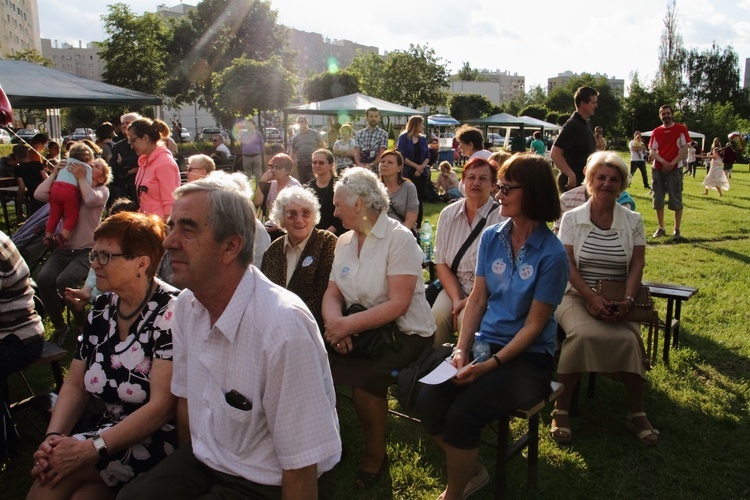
[347, 266]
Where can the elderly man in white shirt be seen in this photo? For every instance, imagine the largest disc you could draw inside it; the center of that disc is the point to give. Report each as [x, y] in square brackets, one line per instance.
[256, 410]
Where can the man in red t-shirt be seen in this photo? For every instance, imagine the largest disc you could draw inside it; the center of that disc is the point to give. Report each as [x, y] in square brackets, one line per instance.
[669, 146]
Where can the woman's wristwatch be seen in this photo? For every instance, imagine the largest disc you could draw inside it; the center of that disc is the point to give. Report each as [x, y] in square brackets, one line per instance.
[100, 445]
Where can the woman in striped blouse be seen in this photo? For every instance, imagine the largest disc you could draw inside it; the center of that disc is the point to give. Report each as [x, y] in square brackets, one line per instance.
[604, 241]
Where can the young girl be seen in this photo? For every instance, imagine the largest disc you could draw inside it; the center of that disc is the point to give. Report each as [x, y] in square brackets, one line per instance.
[716, 176]
[64, 197]
[447, 183]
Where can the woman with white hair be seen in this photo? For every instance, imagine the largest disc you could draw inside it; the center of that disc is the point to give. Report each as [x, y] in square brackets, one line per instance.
[378, 266]
[301, 260]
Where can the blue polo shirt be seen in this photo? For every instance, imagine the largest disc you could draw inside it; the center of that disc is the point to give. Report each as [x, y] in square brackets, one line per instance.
[540, 272]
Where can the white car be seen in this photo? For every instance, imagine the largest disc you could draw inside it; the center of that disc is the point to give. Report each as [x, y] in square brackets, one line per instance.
[496, 140]
[4, 136]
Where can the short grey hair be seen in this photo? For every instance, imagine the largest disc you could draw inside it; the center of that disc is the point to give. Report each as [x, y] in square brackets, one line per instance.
[132, 116]
[231, 211]
[202, 161]
[358, 182]
[294, 194]
[609, 159]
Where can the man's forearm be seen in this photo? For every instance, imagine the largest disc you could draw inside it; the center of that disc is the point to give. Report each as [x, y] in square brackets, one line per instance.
[300, 484]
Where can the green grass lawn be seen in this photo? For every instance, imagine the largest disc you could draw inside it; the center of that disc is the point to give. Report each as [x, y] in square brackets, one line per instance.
[700, 402]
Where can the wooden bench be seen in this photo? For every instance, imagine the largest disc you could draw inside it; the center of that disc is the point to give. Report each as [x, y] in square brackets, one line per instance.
[674, 294]
[507, 450]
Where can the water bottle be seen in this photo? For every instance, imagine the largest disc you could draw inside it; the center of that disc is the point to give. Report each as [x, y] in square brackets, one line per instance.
[425, 241]
[481, 348]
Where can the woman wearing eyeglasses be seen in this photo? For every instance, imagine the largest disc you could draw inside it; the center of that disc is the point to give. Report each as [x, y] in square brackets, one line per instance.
[158, 175]
[301, 260]
[456, 223]
[271, 183]
[323, 169]
[123, 359]
[521, 274]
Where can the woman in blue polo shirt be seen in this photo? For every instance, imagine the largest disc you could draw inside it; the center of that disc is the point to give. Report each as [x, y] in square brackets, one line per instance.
[520, 279]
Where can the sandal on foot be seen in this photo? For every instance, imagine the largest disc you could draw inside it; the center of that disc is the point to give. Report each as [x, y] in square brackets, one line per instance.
[554, 431]
[364, 480]
[641, 435]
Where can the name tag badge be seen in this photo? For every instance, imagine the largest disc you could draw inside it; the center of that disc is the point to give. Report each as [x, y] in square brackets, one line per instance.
[344, 271]
[498, 267]
[308, 260]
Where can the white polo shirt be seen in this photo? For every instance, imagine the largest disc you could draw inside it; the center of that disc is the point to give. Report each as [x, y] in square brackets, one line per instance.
[267, 347]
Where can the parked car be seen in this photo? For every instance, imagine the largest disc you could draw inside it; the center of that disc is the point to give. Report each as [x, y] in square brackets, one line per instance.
[24, 133]
[4, 136]
[496, 140]
[207, 134]
[273, 135]
[83, 133]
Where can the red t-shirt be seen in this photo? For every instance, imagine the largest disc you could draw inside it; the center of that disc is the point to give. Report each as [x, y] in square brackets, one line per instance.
[668, 141]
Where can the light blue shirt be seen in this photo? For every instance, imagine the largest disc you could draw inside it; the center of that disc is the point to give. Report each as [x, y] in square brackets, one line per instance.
[540, 272]
[66, 176]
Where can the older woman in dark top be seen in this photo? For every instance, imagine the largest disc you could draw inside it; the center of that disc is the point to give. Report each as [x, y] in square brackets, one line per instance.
[324, 168]
[301, 260]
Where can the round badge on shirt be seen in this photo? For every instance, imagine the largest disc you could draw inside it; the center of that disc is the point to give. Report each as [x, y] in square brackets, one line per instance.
[526, 271]
[498, 267]
[308, 260]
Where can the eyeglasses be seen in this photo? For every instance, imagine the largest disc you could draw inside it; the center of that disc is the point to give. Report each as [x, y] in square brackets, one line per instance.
[190, 169]
[505, 189]
[277, 166]
[131, 141]
[103, 257]
[306, 213]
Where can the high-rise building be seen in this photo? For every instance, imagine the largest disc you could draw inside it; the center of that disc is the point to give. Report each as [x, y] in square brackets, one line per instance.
[81, 61]
[616, 84]
[316, 54]
[19, 27]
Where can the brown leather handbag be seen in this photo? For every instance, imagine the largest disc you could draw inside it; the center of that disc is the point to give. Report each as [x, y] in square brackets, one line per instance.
[643, 311]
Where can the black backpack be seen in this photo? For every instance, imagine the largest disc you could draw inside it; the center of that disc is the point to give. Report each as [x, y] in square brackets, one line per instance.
[408, 378]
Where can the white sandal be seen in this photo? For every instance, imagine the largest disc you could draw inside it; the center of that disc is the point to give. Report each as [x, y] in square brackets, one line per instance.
[554, 429]
[641, 435]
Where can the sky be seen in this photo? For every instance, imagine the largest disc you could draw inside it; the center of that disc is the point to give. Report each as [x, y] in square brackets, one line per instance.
[534, 39]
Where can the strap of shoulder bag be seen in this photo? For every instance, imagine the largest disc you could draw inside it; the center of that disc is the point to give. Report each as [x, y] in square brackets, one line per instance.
[470, 239]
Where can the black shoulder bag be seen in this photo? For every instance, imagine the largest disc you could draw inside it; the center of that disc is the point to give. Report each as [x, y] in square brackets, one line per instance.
[434, 288]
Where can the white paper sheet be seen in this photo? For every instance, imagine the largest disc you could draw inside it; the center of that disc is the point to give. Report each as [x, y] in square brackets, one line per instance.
[444, 371]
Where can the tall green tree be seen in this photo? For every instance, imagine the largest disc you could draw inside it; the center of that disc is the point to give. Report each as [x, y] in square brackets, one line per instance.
[248, 87]
[467, 106]
[672, 56]
[211, 37]
[135, 50]
[713, 75]
[535, 96]
[640, 109]
[467, 74]
[369, 68]
[415, 77]
[328, 85]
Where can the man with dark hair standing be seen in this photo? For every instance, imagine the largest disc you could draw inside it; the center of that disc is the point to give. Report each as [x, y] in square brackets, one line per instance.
[669, 146]
[371, 141]
[124, 162]
[576, 141]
